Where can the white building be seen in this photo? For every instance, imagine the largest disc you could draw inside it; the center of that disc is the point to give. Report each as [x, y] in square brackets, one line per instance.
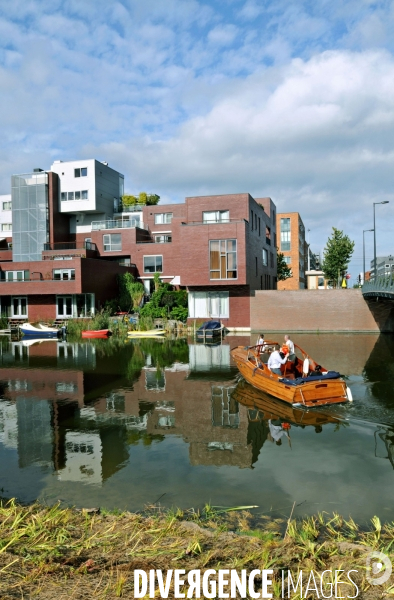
[5, 216]
[89, 191]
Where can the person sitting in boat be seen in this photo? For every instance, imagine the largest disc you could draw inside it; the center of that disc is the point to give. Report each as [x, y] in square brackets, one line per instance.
[290, 348]
[275, 360]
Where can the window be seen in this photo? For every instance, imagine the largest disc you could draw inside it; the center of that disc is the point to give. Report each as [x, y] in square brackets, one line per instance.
[74, 195]
[285, 234]
[7, 205]
[6, 227]
[70, 196]
[265, 258]
[259, 226]
[63, 196]
[223, 259]
[19, 307]
[153, 264]
[64, 306]
[84, 194]
[251, 220]
[112, 242]
[287, 260]
[272, 259]
[64, 274]
[163, 239]
[162, 218]
[16, 275]
[77, 195]
[267, 235]
[256, 266]
[216, 216]
[81, 172]
[208, 304]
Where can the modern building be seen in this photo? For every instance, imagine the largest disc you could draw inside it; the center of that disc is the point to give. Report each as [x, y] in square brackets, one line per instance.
[293, 246]
[385, 266]
[220, 248]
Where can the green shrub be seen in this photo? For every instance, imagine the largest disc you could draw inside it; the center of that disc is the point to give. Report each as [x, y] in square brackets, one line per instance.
[180, 313]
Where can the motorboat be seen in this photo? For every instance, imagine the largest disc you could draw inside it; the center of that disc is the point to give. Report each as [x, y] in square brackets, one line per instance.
[209, 330]
[40, 330]
[302, 382]
[96, 333]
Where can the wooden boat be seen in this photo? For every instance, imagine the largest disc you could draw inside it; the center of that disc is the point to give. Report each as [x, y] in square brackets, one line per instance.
[149, 333]
[295, 385]
[209, 330]
[96, 333]
[262, 406]
[39, 331]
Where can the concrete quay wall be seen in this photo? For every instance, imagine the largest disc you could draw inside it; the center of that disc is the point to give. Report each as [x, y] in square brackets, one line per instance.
[319, 310]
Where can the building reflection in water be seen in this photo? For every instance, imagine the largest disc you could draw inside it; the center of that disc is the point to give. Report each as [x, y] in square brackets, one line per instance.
[78, 409]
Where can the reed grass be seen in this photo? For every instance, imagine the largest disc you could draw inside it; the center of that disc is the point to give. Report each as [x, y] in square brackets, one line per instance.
[50, 552]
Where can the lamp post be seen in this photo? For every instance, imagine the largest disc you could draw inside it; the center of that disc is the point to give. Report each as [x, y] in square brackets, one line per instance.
[364, 252]
[309, 256]
[374, 238]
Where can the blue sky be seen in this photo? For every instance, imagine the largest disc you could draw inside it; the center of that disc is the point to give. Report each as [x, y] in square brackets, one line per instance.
[288, 100]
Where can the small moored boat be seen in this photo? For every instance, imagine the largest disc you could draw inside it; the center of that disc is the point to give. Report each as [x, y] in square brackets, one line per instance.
[149, 333]
[209, 330]
[96, 333]
[298, 384]
[39, 331]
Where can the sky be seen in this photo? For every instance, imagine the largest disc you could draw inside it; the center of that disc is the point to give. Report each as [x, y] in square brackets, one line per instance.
[292, 100]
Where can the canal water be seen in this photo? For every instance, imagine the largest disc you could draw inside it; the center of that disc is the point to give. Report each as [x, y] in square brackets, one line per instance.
[122, 424]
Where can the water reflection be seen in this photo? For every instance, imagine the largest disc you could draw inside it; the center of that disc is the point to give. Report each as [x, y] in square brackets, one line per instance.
[85, 421]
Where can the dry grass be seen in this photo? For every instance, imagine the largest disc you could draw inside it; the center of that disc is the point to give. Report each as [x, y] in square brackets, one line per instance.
[55, 552]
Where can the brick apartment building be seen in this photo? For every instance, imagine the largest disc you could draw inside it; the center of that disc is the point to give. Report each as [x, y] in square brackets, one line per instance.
[220, 248]
[293, 246]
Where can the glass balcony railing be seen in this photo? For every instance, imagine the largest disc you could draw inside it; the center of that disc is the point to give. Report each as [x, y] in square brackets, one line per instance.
[117, 224]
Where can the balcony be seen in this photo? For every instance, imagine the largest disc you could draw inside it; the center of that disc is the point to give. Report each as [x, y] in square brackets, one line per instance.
[70, 246]
[69, 250]
[118, 224]
[130, 209]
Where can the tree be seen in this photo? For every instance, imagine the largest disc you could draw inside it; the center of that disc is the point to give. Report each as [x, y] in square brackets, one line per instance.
[142, 198]
[283, 270]
[337, 255]
[131, 292]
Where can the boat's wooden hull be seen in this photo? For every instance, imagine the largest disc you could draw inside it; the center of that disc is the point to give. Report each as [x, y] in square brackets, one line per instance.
[99, 333]
[318, 392]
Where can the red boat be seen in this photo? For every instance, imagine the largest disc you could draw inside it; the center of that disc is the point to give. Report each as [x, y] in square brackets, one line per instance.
[96, 333]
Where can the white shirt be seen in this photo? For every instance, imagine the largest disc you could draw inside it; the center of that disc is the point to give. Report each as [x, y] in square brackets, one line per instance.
[277, 432]
[260, 342]
[290, 346]
[275, 360]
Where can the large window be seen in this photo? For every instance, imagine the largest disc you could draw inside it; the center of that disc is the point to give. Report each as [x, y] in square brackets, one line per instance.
[19, 307]
[223, 259]
[112, 242]
[6, 227]
[82, 172]
[153, 264]
[64, 306]
[285, 234]
[7, 205]
[265, 257]
[216, 216]
[64, 274]
[162, 218]
[16, 275]
[203, 305]
[163, 239]
[68, 196]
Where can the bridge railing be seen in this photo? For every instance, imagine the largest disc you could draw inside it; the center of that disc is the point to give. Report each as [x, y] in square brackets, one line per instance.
[382, 286]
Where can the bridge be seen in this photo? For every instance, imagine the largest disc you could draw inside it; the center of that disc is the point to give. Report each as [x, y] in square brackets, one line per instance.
[383, 287]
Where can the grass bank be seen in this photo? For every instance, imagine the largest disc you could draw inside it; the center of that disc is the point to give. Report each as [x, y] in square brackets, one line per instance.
[55, 552]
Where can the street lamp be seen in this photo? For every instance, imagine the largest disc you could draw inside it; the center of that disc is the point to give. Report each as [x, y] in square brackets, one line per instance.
[374, 238]
[309, 256]
[364, 252]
